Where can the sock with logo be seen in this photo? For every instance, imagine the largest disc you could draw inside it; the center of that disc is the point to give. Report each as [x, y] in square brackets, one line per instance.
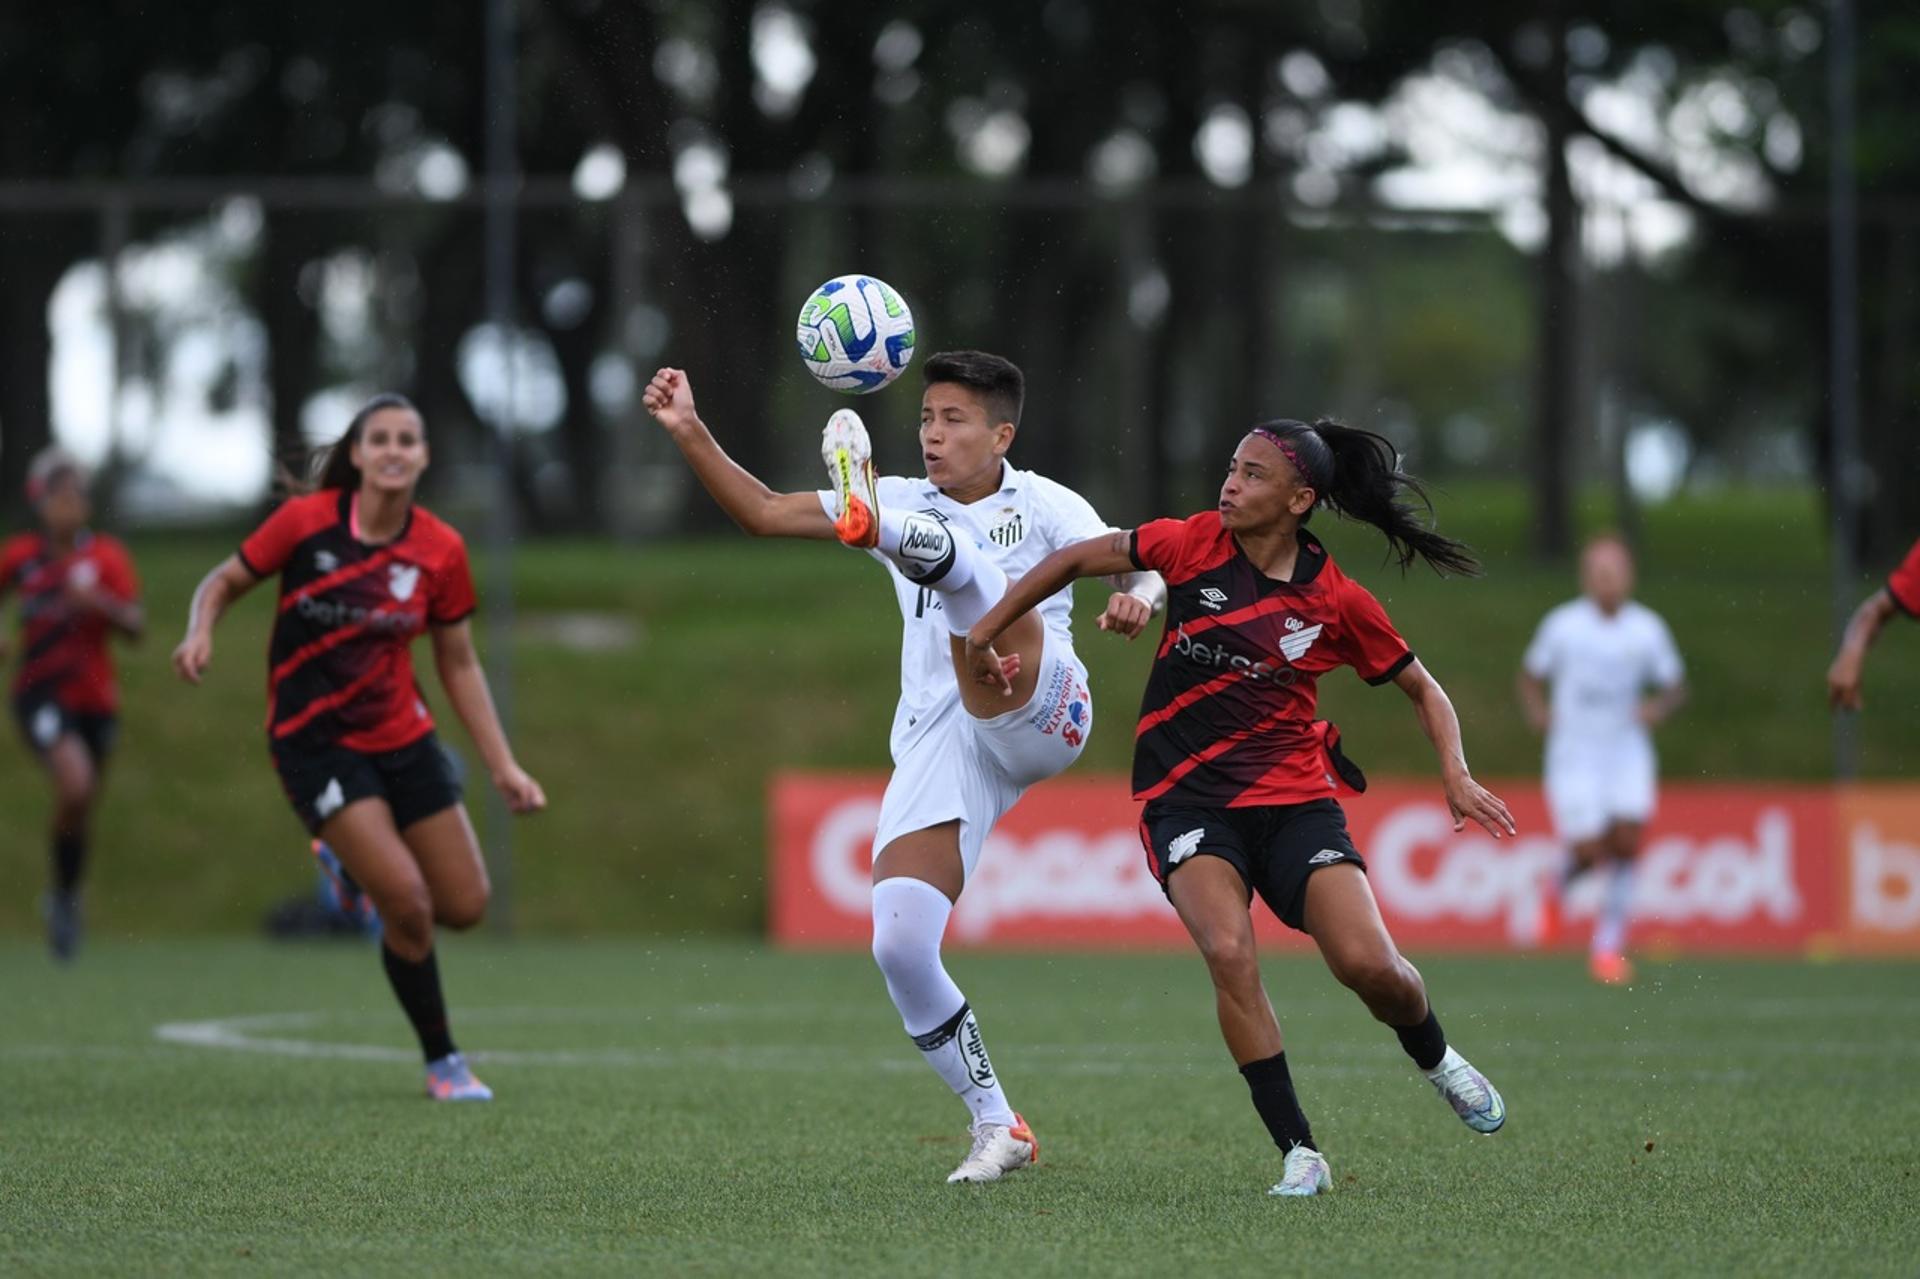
[1272, 1086]
[931, 554]
[1610, 931]
[909, 919]
[1425, 1042]
[69, 860]
[417, 986]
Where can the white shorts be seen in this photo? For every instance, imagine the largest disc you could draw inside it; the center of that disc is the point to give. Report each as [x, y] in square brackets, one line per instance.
[976, 769]
[1591, 788]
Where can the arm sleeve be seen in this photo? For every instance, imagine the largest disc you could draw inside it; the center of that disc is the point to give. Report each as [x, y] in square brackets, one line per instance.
[1904, 585]
[118, 575]
[1372, 646]
[1666, 669]
[453, 598]
[1156, 545]
[271, 545]
[1538, 659]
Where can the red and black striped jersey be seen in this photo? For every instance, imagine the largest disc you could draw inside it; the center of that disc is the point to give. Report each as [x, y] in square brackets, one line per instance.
[64, 648]
[1228, 716]
[340, 664]
[1904, 585]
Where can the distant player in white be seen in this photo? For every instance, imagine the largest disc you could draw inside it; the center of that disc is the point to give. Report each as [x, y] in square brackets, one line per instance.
[963, 751]
[1615, 675]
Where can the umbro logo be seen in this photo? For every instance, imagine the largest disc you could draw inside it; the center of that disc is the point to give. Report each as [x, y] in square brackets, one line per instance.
[1181, 847]
[1212, 598]
[1295, 646]
[1326, 857]
[326, 561]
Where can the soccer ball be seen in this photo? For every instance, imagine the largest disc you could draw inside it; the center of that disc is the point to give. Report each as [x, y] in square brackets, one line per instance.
[856, 334]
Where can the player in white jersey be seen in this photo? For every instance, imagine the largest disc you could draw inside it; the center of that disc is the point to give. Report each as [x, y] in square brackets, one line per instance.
[1615, 675]
[963, 751]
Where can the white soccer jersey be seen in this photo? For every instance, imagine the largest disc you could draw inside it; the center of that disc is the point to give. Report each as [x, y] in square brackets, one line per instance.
[1028, 519]
[1600, 667]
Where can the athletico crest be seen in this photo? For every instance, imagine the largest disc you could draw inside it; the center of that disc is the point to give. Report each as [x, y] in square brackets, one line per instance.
[402, 579]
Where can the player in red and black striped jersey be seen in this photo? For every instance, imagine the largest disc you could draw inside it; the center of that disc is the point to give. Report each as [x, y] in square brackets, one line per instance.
[1238, 775]
[76, 587]
[363, 571]
[1901, 594]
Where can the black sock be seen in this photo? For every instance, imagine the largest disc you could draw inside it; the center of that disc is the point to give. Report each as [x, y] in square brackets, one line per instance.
[1426, 1043]
[69, 859]
[1272, 1088]
[417, 986]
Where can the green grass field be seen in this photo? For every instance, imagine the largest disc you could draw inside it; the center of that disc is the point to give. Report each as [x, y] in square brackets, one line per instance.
[720, 1109]
[752, 656]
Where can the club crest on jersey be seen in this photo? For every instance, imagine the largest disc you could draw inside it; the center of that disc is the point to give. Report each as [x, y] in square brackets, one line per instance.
[402, 579]
[1009, 531]
[1212, 598]
[325, 561]
[1295, 646]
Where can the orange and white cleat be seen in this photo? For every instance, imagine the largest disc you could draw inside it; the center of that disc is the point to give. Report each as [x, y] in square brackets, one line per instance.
[998, 1149]
[1610, 968]
[848, 453]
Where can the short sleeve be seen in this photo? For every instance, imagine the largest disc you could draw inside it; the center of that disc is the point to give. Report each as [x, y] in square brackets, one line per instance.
[1538, 660]
[1371, 644]
[13, 555]
[1904, 585]
[117, 573]
[1665, 668]
[453, 599]
[271, 545]
[1156, 545]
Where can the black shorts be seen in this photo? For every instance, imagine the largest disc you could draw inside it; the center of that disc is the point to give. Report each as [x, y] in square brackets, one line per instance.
[1274, 847]
[418, 780]
[43, 721]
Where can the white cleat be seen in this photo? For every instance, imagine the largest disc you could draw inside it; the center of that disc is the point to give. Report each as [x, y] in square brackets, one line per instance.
[998, 1150]
[1475, 1100]
[848, 453]
[1306, 1174]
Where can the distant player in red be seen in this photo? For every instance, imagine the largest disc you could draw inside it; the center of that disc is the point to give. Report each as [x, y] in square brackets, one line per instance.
[1239, 777]
[363, 571]
[1901, 594]
[76, 587]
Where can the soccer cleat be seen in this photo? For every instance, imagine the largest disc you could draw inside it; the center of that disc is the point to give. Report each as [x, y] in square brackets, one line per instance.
[450, 1079]
[1610, 968]
[344, 895]
[848, 453]
[998, 1150]
[1306, 1173]
[62, 913]
[1475, 1100]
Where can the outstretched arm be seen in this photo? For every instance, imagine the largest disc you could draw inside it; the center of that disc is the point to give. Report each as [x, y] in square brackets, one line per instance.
[228, 581]
[1466, 798]
[1843, 677]
[466, 685]
[1096, 557]
[752, 505]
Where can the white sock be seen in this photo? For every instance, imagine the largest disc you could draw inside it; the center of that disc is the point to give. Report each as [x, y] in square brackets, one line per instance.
[909, 919]
[1610, 930]
[926, 549]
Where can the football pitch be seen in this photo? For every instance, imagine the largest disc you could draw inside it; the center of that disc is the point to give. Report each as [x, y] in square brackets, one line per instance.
[703, 1108]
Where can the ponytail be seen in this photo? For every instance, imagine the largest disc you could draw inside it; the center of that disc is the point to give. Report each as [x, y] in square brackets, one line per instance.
[1357, 475]
[332, 467]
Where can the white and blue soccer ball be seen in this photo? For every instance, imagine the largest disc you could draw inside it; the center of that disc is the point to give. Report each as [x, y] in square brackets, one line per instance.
[856, 334]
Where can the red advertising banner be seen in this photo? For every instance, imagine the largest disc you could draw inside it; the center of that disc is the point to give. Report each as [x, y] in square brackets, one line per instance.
[1751, 867]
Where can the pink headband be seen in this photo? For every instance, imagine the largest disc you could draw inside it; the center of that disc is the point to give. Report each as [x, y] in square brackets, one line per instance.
[1286, 449]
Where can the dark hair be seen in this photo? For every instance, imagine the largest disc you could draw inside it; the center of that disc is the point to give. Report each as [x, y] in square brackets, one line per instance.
[1356, 474]
[335, 469]
[998, 381]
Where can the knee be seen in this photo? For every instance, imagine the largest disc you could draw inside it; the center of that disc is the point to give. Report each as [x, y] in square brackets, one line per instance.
[407, 920]
[897, 949]
[465, 910]
[1232, 961]
[1378, 977]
